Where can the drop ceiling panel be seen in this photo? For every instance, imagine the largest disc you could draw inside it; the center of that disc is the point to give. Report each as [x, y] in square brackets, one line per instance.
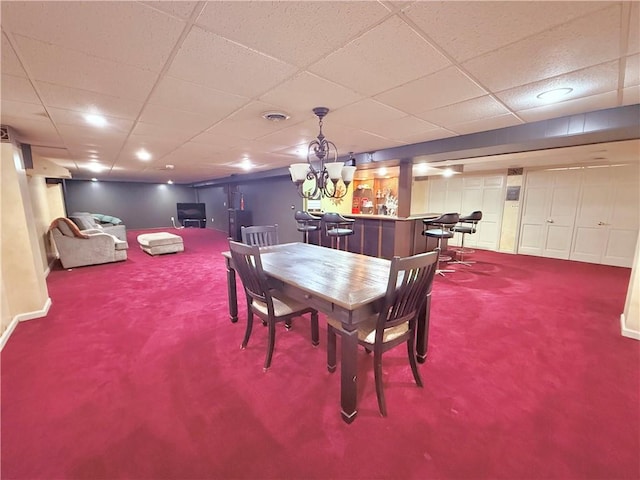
[318, 28]
[236, 69]
[554, 52]
[463, 112]
[181, 9]
[66, 67]
[140, 36]
[298, 96]
[365, 114]
[488, 26]
[168, 117]
[634, 29]
[387, 55]
[248, 123]
[585, 83]
[173, 133]
[10, 63]
[569, 107]
[86, 101]
[631, 95]
[181, 95]
[33, 129]
[26, 110]
[74, 118]
[474, 126]
[442, 88]
[632, 71]
[18, 89]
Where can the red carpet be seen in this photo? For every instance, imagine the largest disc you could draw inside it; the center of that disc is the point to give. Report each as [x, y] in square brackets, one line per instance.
[136, 373]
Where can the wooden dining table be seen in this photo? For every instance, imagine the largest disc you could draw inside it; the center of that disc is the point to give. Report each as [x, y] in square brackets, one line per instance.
[346, 286]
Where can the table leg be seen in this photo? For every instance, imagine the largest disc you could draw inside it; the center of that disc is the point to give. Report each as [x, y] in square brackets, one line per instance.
[348, 375]
[232, 295]
[422, 334]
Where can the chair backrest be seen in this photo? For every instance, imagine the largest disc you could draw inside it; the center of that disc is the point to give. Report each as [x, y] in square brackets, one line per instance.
[260, 235]
[335, 221]
[474, 217]
[445, 220]
[248, 264]
[305, 218]
[409, 286]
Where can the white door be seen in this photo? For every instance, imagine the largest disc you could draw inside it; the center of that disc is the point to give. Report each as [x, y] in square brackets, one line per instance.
[624, 220]
[548, 213]
[608, 216]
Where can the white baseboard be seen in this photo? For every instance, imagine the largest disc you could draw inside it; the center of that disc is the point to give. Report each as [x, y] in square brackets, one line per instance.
[627, 332]
[21, 318]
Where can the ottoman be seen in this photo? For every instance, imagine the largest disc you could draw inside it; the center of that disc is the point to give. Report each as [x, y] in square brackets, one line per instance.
[160, 242]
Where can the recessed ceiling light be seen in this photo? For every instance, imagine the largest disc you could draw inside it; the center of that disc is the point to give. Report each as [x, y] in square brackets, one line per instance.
[94, 179]
[276, 116]
[142, 154]
[555, 94]
[169, 166]
[170, 182]
[95, 119]
[246, 164]
[96, 167]
[382, 171]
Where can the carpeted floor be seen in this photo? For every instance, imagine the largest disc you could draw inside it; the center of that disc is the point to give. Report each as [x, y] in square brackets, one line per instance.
[136, 373]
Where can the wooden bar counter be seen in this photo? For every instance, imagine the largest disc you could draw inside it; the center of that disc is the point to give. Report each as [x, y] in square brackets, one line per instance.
[383, 236]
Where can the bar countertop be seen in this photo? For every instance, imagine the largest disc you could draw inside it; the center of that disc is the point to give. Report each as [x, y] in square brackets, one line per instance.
[389, 217]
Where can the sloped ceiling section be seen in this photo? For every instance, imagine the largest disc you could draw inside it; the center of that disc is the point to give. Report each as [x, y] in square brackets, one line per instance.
[189, 82]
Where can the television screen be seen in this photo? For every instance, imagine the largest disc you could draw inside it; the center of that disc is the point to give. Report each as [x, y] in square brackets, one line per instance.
[194, 211]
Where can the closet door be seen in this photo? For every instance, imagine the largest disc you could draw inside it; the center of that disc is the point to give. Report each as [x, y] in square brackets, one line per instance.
[549, 210]
[607, 218]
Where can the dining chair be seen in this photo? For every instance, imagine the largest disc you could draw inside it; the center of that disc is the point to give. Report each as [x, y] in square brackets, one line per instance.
[306, 223]
[443, 225]
[408, 287]
[337, 226]
[260, 235]
[467, 225]
[272, 307]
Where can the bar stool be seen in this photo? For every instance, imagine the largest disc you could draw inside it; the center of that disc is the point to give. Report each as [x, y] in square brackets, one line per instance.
[307, 223]
[336, 226]
[443, 225]
[467, 226]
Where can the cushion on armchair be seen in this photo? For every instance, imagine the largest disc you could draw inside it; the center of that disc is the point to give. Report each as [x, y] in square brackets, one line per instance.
[67, 228]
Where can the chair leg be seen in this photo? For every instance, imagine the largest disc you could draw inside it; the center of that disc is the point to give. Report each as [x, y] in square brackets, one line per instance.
[462, 251]
[377, 370]
[271, 344]
[315, 331]
[247, 332]
[411, 350]
[438, 270]
[331, 349]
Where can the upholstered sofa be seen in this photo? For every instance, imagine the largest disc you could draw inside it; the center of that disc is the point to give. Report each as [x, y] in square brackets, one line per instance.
[89, 247]
[105, 223]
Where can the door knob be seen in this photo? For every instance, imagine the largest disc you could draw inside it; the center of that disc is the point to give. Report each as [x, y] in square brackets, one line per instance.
[601, 223]
[549, 220]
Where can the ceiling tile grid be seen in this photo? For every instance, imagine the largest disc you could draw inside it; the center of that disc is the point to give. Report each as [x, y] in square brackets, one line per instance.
[190, 81]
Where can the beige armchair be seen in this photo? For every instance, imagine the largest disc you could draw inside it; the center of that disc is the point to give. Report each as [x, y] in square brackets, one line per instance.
[91, 247]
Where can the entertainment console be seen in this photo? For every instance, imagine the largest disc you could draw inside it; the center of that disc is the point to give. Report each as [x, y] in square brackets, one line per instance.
[192, 215]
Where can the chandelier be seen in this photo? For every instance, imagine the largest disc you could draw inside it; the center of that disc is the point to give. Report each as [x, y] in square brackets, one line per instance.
[325, 178]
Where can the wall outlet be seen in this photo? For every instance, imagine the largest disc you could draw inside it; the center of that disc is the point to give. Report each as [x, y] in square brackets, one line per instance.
[212, 220]
[172, 219]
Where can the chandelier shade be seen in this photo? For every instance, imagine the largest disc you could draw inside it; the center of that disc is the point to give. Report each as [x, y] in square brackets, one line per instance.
[324, 179]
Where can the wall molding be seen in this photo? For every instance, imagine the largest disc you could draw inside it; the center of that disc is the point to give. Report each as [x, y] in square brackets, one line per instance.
[627, 332]
[21, 318]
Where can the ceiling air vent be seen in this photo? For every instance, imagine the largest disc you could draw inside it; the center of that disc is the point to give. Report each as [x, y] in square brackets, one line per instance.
[275, 116]
[4, 134]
